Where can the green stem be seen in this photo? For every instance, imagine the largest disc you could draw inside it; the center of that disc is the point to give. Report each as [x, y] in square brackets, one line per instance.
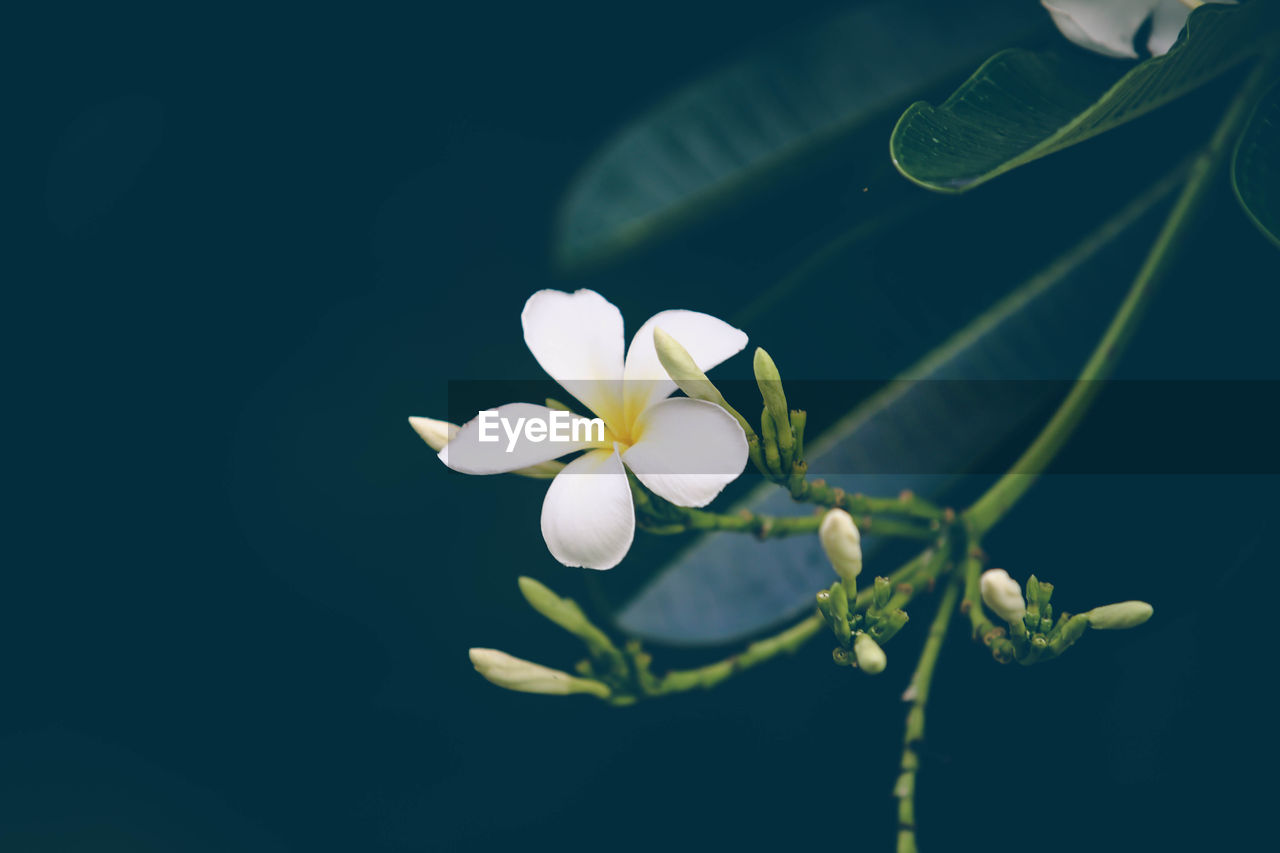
[905, 789]
[1000, 498]
[991, 634]
[817, 492]
[791, 638]
[663, 518]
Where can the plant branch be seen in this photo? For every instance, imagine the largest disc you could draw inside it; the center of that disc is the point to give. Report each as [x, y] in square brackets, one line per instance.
[1001, 497]
[918, 694]
[787, 640]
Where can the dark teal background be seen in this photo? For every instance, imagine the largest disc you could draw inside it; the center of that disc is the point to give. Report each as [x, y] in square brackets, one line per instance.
[240, 590]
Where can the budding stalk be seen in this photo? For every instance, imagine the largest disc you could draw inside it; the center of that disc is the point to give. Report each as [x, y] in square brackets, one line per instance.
[770, 382]
[513, 673]
[1002, 594]
[566, 613]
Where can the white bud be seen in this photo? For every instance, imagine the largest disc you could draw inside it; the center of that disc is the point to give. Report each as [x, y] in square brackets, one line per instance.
[870, 656]
[435, 433]
[1115, 617]
[843, 544]
[439, 433]
[1003, 595]
[513, 673]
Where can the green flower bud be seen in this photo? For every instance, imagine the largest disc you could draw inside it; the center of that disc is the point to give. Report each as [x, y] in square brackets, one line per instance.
[889, 625]
[514, 673]
[1115, 617]
[775, 400]
[1002, 594]
[769, 441]
[882, 592]
[870, 656]
[843, 543]
[683, 370]
[824, 606]
[839, 601]
[690, 379]
[566, 613]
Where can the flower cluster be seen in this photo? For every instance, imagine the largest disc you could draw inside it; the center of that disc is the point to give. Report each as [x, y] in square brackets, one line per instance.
[684, 450]
[1033, 634]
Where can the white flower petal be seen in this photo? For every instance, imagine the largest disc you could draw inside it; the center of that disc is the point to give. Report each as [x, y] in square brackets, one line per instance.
[708, 340]
[587, 517]
[687, 450]
[577, 338]
[1167, 20]
[466, 452]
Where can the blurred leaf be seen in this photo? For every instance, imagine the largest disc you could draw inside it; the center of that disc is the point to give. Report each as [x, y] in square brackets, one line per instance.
[728, 586]
[1022, 105]
[1255, 168]
[728, 134]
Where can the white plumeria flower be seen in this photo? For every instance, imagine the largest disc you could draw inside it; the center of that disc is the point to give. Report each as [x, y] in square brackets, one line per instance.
[681, 449]
[1109, 26]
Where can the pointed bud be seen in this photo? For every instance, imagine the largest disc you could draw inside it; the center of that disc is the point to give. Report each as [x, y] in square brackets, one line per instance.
[1002, 594]
[843, 544]
[870, 656]
[566, 613]
[689, 378]
[439, 433]
[435, 433]
[770, 382]
[1115, 617]
[515, 674]
[683, 370]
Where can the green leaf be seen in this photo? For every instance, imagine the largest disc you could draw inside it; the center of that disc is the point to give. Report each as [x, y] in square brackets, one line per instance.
[1255, 167]
[728, 586]
[1022, 105]
[731, 133]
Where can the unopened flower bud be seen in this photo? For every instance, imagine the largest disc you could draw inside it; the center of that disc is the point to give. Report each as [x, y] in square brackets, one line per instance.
[843, 544]
[514, 673]
[690, 378]
[439, 433]
[1003, 595]
[770, 383]
[435, 433]
[566, 613]
[683, 370]
[1114, 617]
[870, 656]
